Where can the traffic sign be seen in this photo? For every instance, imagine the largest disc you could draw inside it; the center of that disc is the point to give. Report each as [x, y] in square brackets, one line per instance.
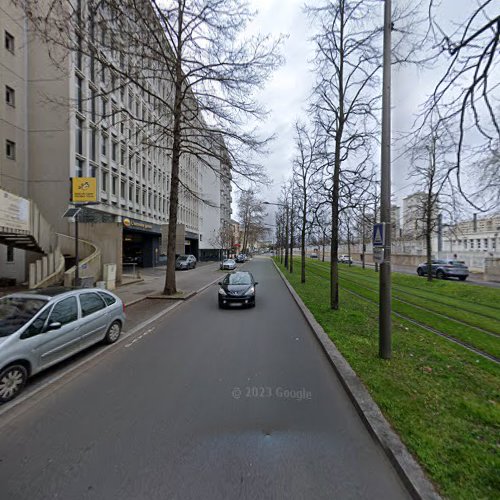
[379, 235]
[378, 255]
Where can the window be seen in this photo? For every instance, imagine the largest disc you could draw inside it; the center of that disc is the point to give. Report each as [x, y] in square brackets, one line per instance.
[122, 189]
[10, 149]
[64, 312]
[79, 136]
[104, 181]
[113, 185]
[104, 142]
[130, 192]
[10, 96]
[79, 95]
[104, 104]
[9, 42]
[109, 299]
[114, 150]
[78, 168]
[79, 55]
[122, 157]
[91, 303]
[10, 253]
[93, 144]
[471, 244]
[485, 242]
[93, 106]
[478, 243]
[137, 195]
[37, 326]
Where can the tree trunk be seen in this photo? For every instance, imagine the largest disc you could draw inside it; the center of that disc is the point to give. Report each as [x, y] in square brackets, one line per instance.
[286, 238]
[170, 284]
[428, 237]
[291, 239]
[348, 244]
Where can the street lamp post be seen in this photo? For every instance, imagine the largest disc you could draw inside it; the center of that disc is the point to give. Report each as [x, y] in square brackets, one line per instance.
[285, 205]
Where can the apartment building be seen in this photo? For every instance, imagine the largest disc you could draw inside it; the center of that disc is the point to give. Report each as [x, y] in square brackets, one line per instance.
[474, 235]
[77, 117]
[13, 122]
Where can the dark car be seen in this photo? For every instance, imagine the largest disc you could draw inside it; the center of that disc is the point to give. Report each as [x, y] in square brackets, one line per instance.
[443, 269]
[240, 258]
[185, 262]
[237, 288]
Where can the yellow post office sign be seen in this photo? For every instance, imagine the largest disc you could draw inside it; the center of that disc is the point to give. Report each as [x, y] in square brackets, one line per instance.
[83, 189]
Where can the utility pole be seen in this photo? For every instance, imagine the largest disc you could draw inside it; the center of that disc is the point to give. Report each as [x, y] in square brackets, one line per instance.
[286, 234]
[77, 256]
[363, 249]
[385, 326]
[291, 237]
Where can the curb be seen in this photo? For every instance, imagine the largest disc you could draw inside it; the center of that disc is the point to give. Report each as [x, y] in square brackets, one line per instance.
[407, 468]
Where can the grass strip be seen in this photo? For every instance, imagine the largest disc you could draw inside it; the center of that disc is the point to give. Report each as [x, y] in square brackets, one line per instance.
[440, 398]
[475, 338]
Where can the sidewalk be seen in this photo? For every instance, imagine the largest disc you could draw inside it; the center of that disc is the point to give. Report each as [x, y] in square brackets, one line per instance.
[154, 280]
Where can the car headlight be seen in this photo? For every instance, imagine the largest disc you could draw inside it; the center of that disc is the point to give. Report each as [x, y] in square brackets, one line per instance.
[251, 290]
[222, 292]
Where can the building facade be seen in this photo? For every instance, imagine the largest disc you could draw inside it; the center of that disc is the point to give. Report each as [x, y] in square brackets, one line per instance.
[79, 118]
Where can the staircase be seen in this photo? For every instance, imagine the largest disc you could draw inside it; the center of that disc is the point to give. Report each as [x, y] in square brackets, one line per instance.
[23, 226]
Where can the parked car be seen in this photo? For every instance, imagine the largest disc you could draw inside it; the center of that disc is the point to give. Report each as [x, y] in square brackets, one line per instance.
[240, 258]
[344, 259]
[443, 269]
[228, 264]
[40, 328]
[313, 256]
[184, 262]
[237, 288]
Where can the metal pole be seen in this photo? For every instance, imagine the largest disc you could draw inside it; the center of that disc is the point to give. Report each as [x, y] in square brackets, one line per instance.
[385, 326]
[77, 259]
[363, 249]
[286, 237]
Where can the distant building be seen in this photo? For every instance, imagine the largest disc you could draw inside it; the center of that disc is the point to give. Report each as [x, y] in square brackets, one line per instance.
[474, 235]
[414, 216]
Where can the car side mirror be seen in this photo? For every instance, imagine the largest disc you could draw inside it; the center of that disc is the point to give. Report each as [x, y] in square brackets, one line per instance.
[220, 283]
[256, 283]
[54, 326]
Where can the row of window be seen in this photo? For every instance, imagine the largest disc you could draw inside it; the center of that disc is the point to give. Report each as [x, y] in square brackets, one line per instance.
[476, 243]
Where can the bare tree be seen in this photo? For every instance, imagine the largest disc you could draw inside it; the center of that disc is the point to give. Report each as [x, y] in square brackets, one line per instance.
[305, 169]
[345, 97]
[465, 99]
[191, 61]
[431, 171]
[251, 213]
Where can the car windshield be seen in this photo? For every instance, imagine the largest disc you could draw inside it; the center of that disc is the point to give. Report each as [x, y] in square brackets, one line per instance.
[16, 312]
[228, 261]
[238, 279]
[182, 257]
[456, 263]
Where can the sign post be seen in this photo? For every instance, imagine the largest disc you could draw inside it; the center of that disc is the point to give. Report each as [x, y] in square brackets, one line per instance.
[83, 192]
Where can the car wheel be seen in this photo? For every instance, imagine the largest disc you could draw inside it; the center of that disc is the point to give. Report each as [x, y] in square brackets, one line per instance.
[462, 278]
[440, 275]
[113, 333]
[420, 272]
[12, 382]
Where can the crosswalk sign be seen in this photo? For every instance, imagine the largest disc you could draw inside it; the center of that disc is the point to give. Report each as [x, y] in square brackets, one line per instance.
[379, 235]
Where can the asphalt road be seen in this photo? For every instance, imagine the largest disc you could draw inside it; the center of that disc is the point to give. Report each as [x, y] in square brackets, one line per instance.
[211, 404]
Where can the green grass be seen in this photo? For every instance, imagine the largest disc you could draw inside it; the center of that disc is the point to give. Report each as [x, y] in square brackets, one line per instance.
[440, 398]
[368, 287]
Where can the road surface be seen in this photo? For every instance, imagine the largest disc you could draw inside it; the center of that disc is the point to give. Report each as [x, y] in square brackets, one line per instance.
[210, 404]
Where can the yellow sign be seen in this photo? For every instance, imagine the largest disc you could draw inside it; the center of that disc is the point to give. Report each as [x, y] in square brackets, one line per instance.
[126, 222]
[83, 189]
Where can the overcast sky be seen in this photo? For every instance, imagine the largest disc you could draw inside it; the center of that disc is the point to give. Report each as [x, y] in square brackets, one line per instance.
[287, 92]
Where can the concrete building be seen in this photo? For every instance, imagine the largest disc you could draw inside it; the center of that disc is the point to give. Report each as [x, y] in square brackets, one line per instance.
[79, 119]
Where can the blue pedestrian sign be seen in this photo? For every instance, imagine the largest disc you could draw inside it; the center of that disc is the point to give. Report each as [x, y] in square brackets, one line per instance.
[379, 235]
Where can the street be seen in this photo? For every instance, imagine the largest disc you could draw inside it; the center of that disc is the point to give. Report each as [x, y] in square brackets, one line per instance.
[209, 404]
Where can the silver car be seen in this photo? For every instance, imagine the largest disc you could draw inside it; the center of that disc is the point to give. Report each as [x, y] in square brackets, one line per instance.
[228, 264]
[42, 327]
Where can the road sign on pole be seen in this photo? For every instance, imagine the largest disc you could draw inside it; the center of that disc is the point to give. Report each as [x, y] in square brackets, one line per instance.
[378, 254]
[379, 235]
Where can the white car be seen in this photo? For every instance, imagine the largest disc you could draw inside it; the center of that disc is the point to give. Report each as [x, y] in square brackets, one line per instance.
[344, 259]
[228, 264]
